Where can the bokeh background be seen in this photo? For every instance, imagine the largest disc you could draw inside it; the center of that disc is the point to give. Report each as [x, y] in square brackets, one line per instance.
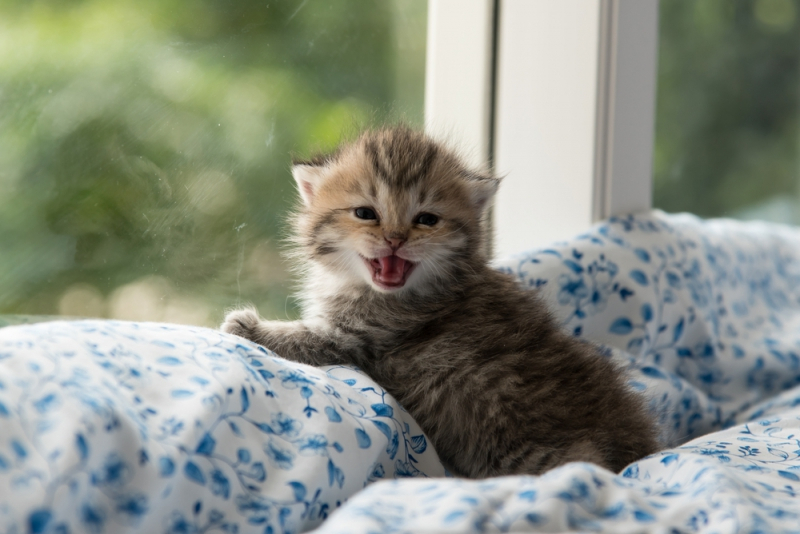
[145, 145]
[727, 118]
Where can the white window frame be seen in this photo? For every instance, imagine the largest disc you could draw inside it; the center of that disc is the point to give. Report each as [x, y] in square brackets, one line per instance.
[459, 75]
[559, 97]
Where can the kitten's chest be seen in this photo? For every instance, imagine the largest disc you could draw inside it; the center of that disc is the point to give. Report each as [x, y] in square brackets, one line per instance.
[412, 361]
[412, 349]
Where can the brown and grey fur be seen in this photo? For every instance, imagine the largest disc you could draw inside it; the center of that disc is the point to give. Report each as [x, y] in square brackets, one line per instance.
[475, 358]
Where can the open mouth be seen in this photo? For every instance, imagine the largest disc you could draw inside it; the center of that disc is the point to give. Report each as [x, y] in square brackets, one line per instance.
[390, 272]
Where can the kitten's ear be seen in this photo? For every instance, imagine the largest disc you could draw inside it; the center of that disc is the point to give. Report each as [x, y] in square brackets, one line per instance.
[308, 178]
[482, 188]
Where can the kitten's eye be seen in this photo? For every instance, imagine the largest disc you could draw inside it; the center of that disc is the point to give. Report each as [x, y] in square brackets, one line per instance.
[366, 213]
[428, 219]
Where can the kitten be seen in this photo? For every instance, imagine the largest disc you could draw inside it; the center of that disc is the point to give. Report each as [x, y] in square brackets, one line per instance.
[391, 236]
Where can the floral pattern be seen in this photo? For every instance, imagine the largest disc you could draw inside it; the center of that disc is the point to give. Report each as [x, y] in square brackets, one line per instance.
[126, 427]
[113, 427]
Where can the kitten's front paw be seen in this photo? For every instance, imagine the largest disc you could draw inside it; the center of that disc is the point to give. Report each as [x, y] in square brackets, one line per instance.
[242, 323]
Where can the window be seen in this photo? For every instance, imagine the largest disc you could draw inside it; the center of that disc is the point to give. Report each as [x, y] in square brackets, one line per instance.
[144, 169]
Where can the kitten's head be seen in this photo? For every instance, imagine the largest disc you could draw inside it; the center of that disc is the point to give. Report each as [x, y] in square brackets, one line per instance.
[395, 211]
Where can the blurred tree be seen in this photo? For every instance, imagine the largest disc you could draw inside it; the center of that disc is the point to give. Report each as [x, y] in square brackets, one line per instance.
[146, 145]
[727, 113]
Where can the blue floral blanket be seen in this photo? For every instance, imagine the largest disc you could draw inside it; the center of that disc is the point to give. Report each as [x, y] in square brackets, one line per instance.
[143, 427]
[117, 427]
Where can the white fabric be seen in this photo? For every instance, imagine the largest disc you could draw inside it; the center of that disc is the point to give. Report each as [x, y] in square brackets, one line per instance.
[137, 427]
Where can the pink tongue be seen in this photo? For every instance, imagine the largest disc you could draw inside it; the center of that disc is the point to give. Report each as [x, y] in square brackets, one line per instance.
[392, 269]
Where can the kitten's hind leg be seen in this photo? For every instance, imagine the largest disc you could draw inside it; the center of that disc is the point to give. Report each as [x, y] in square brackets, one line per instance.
[541, 459]
[293, 340]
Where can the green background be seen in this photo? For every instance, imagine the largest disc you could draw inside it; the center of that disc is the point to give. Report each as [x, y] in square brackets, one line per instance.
[145, 145]
[727, 111]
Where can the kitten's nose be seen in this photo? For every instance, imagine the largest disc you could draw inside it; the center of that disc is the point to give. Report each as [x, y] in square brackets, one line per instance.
[395, 242]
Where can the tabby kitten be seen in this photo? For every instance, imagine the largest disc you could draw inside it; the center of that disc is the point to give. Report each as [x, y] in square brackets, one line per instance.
[397, 282]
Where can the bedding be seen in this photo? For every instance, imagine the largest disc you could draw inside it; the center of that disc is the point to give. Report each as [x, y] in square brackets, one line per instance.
[113, 427]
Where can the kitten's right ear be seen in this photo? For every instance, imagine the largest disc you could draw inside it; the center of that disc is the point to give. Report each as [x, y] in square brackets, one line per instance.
[482, 189]
[308, 178]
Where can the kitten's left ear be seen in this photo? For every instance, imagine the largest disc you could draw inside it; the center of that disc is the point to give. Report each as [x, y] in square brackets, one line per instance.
[308, 178]
[482, 189]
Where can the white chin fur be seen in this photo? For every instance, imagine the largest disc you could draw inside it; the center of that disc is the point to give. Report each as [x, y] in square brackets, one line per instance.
[339, 273]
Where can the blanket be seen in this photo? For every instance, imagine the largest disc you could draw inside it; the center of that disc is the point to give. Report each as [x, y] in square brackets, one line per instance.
[139, 427]
[114, 427]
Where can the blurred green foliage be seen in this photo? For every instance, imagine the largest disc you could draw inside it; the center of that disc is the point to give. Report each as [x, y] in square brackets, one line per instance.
[727, 114]
[145, 145]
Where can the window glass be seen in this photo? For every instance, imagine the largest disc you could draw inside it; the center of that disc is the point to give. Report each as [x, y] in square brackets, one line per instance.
[145, 145]
[727, 115]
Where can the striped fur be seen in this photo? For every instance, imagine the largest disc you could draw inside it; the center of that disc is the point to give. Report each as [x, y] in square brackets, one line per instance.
[475, 358]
